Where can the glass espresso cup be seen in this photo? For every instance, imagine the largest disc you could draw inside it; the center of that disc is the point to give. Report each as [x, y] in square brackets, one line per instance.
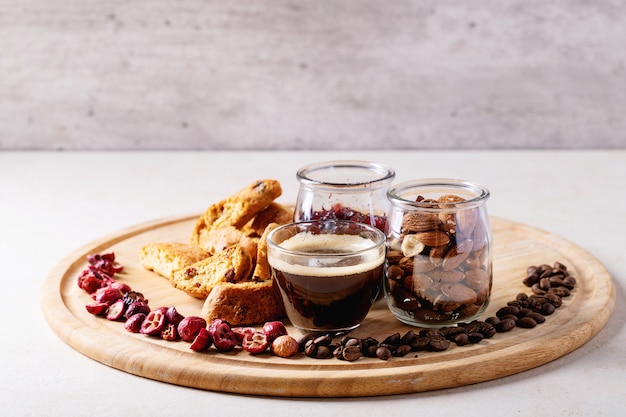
[328, 273]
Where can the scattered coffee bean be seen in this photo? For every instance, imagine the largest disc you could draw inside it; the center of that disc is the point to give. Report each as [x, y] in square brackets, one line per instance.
[526, 323]
[383, 353]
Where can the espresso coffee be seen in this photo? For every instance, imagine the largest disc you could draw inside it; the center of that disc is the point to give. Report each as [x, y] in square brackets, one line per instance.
[336, 286]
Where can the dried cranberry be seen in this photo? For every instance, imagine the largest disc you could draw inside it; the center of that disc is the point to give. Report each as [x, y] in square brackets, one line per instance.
[240, 332]
[169, 332]
[105, 263]
[107, 295]
[189, 327]
[133, 323]
[137, 307]
[173, 316]
[255, 343]
[273, 329]
[202, 341]
[154, 322]
[116, 310]
[223, 336]
[97, 308]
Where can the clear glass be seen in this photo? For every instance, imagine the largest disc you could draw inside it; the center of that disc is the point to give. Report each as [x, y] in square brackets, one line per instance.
[344, 190]
[439, 262]
[328, 273]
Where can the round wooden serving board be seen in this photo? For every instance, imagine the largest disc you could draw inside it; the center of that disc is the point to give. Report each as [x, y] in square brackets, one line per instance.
[516, 246]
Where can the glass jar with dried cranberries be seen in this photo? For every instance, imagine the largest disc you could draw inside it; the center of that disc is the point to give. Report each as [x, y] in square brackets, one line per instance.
[344, 190]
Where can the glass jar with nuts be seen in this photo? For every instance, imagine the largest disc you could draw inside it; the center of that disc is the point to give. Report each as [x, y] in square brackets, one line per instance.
[439, 261]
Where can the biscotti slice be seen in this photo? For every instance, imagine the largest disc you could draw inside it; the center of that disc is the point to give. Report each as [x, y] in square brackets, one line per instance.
[243, 303]
[198, 279]
[274, 213]
[223, 238]
[169, 257]
[236, 210]
[262, 267]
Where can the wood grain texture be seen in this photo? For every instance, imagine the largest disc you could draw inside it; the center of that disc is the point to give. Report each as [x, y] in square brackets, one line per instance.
[516, 246]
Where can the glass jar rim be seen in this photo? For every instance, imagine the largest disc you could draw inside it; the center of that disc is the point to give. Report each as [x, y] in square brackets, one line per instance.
[481, 193]
[381, 238]
[385, 173]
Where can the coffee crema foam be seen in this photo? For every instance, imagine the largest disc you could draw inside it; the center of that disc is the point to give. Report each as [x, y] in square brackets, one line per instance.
[328, 250]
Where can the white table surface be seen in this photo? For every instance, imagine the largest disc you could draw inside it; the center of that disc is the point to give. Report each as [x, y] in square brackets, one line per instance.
[54, 203]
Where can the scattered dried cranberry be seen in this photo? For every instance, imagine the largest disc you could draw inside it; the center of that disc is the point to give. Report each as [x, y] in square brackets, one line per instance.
[173, 316]
[170, 333]
[97, 308]
[273, 329]
[105, 262]
[154, 322]
[133, 324]
[189, 327]
[107, 295]
[223, 336]
[137, 307]
[202, 341]
[255, 343]
[116, 311]
[240, 332]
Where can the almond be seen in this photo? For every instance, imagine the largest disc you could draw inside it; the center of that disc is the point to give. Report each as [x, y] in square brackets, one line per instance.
[457, 255]
[433, 238]
[466, 221]
[415, 222]
[477, 278]
[447, 276]
[459, 293]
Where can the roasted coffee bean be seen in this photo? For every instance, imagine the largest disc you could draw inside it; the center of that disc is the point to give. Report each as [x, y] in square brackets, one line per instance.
[526, 323]
[402, 350]
[545, 284]
[561, 291]
[524, 311]
[439, 345]
[338, 352]
[569, 281]
[393, 340]
[505, 311]
[547, 309]
[303, 340]
[506, 325]
[353, 342]
[351, 353]
[310, 348]
[536, 289]
[408, 338]
[488, 330]
[554, 299]
[475, 337]
[493, 320]
[323, 340]
[509, 317]
[323, 352]
[539, 318]
[383, 353]
[370, 351]
[420, 343]
[461, 339]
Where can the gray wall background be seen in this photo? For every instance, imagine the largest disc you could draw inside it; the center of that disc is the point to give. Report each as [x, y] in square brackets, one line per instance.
[288, 74]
